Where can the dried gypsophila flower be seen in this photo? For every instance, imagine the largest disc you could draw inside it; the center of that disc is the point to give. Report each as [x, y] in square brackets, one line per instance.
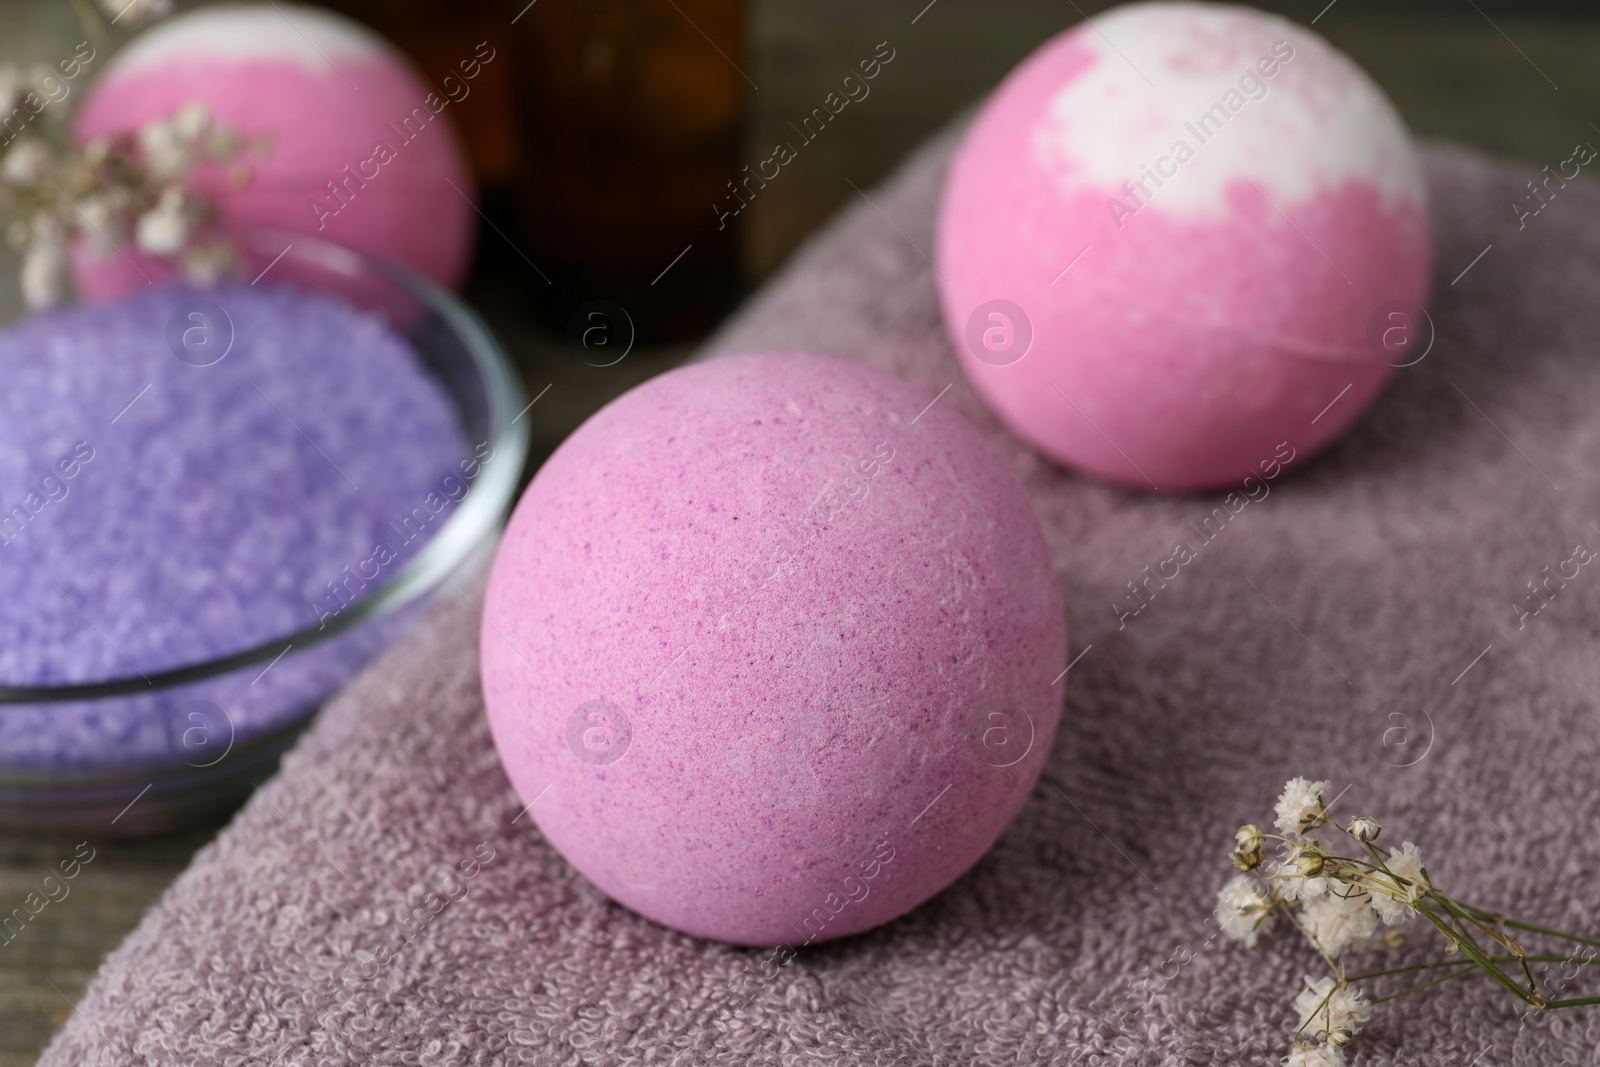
[164, 229]
[1332, 1010]
[173, 145]
[1248, 844]
[1299, 875]
[26, 163]
[1410, 884]
[134, 185]
[1244, 910]
[1364, 829]
[1314, 1056]
[1337, 900]
[1309, 861]
[1300, 808]
[1341, 924]
[106, 215]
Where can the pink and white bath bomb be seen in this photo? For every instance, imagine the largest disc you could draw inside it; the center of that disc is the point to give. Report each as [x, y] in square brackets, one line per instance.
[770, 648]
[1166, 237]
[362, 151]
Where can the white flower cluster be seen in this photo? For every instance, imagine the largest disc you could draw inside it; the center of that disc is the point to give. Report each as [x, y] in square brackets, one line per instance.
[136, 188]
[1334, 886]
[1332, 1011]
[1244, 910]
[174, 146]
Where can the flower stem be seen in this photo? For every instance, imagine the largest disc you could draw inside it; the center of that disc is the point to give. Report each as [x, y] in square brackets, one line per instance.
[1466, 968]
[1476, 954]
[1471, 915]
[1531, 928]
[1580, 961]
[1407, 970]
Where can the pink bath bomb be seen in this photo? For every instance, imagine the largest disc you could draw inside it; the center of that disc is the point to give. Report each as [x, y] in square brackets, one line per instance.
[338, 105]
[771, 648]
[1174, 237]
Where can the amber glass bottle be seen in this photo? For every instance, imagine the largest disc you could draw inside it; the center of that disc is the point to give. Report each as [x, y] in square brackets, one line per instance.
[439, 38]
[630, 115]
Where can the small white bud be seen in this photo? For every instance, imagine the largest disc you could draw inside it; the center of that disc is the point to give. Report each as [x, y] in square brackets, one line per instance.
[163, 230]
[96, 151]
[165, 152]
[192, 120]
[1309, 863]
[1247, 855]
[26, 163]
[1364, 828]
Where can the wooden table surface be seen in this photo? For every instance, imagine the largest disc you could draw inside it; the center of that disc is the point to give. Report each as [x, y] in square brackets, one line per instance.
[1522, 85]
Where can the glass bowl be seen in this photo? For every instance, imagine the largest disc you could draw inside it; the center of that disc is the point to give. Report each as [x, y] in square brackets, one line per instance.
[203, 734]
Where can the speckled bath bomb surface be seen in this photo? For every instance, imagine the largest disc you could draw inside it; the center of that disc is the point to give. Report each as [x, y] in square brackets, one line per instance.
[771, 648]
[1167, 238]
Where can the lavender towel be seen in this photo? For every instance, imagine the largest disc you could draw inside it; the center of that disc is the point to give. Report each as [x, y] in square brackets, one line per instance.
[1387, 579]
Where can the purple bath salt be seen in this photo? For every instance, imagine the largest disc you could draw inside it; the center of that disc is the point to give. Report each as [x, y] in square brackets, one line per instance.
[175, 487]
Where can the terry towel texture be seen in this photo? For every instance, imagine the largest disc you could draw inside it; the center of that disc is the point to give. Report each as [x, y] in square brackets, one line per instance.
[1358, 589]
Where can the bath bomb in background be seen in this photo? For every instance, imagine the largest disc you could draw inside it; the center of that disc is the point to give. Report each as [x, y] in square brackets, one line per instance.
[337, 105]
[771, 648]
[1171, 239]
